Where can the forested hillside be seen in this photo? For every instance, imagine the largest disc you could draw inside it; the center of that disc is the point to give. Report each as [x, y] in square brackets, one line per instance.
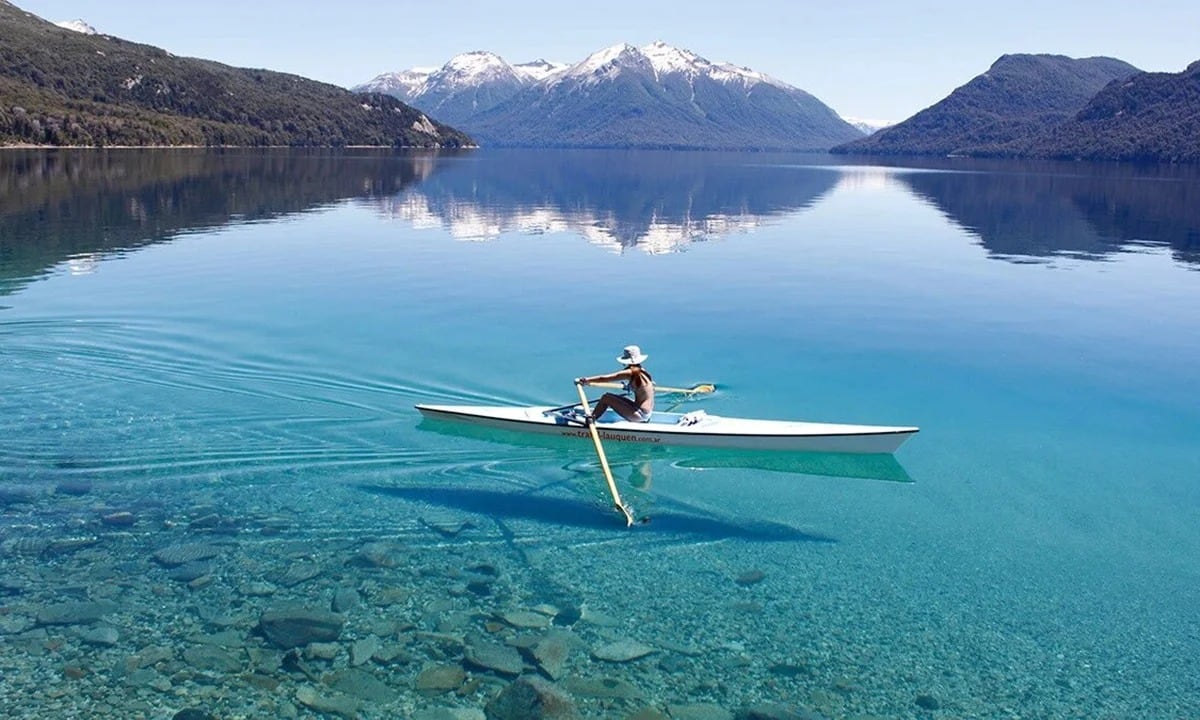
[59, 87]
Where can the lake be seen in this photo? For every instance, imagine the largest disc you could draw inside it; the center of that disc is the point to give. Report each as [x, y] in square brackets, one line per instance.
[217, 495]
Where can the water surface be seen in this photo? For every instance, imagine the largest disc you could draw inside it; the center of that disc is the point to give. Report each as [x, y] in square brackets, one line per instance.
[224, 349]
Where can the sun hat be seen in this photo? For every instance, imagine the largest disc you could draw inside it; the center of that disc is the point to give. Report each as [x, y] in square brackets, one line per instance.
[632, 356]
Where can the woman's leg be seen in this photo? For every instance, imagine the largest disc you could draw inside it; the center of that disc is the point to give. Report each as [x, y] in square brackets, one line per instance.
[622, 405]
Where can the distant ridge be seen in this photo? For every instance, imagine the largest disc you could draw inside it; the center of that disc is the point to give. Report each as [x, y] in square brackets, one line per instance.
[64, 87]
[656, 96]
[1020, 96]
[1147, 117]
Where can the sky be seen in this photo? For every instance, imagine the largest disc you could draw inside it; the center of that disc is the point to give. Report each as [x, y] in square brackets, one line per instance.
[877, 60]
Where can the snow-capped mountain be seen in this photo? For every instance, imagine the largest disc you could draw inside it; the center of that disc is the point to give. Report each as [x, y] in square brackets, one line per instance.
[623, 96]
[401, 84]
[868, 127]
[78, 26]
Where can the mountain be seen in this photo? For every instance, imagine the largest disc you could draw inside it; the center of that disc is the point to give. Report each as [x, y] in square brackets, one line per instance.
[60, 87]
[1150, 117]
[1018, 97]
[656, 96]
[866, 127]
[467, 85]
[401, 85]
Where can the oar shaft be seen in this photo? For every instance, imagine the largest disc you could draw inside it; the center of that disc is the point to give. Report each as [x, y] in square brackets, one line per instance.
[612, 485]
[701, 388]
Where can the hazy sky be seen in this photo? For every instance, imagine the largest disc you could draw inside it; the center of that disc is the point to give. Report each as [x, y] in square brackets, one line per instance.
[868, 59]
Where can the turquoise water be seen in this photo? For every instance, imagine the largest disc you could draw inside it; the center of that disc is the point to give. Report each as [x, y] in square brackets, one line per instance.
[224, 349]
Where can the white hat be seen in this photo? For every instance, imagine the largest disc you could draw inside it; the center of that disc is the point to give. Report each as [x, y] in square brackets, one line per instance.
[632, 356]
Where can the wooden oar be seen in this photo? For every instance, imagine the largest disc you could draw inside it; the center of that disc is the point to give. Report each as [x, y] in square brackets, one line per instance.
[697, 389]
[612, 485]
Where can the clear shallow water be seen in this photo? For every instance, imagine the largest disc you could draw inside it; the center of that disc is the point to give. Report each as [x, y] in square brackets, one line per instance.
[228, 348]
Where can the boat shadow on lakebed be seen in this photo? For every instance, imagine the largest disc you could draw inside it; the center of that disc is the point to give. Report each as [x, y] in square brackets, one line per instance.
[671, 518]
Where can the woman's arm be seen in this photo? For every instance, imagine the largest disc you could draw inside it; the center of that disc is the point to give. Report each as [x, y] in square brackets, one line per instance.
[618, 375]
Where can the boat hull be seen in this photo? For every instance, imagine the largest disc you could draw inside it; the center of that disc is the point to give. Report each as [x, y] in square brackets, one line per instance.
[709, 431]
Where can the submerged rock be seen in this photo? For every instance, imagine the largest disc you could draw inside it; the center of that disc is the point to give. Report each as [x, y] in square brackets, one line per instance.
[361, 684]
[551, 654]
[338, 704]
[440, 678]
[773, 711]
[296, 573]
[293, 627]
[363, 650]
[173, 555]
[190, 571]
[525, 619]
[498, 658]
[105, 635]
[698, 711]
[751, 577]
[211, 659]
[622, 651]
[601, 687]
[344, 599]
[531, 698]
[74, 613]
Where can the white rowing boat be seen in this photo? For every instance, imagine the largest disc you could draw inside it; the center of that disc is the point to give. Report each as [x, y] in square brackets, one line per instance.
[693, 429]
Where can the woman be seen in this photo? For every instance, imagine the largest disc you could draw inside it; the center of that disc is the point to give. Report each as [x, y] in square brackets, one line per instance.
[636, 379]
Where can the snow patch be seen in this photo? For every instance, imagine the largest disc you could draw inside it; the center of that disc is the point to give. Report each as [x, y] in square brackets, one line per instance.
[78, 26]
[539, 69]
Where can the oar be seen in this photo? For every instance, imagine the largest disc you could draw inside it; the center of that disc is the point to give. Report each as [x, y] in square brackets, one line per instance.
[697, 389]
[612, 486]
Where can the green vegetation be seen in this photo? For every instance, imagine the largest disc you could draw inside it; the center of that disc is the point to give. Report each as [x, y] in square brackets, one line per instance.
[1150, 117]
[59, 87]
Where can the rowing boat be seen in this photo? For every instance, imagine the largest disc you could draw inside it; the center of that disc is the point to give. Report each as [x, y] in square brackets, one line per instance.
[691, 429]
